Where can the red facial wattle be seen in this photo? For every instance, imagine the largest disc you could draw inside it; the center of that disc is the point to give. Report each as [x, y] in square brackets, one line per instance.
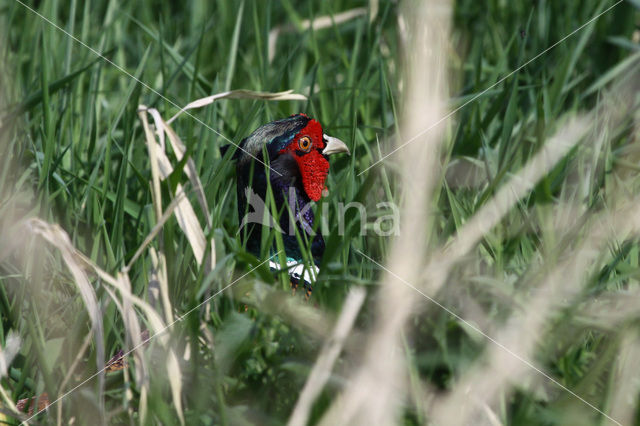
[314, 169]
[313, 166]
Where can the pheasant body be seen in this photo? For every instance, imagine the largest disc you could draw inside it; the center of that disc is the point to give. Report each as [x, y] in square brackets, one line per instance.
[296, 151]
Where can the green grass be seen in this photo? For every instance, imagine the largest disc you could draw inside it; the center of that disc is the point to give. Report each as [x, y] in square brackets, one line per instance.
[72, 152]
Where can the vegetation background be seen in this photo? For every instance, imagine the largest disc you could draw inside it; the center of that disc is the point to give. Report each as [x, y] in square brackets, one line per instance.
[73, 152]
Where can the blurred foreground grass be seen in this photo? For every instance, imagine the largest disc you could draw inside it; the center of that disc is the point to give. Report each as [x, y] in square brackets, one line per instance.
[73, 153]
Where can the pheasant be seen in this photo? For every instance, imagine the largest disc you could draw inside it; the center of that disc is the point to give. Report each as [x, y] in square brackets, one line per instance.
[296, 151]
[291, 156]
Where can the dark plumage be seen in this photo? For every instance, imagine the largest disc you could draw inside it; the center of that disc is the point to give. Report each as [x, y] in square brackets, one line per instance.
[297, 150]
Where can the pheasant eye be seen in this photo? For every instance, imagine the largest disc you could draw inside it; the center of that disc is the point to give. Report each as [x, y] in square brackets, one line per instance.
[304, 143]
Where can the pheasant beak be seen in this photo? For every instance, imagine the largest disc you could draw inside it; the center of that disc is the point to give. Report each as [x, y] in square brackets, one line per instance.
[334, 145]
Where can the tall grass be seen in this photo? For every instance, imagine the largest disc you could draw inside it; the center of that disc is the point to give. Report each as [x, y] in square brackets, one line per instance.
[509, 297]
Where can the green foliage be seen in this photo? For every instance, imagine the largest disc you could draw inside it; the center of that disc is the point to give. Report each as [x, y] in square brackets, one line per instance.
[72, 152]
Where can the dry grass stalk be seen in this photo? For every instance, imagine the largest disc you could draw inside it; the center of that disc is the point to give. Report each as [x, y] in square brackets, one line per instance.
[627, 389]
[327, 358]
[507, 360]
[69, 374]
[515, 342]
[554, 150]
[161, 168]
[318, 24]
[287, 95]
[179, 150]
[374, 394]
[57, 237]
